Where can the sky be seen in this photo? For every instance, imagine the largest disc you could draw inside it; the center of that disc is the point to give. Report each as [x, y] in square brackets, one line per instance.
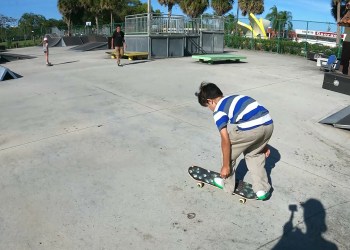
[311, 10]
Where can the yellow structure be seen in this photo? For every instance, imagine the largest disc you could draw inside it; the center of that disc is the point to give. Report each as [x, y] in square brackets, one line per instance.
[257, 28]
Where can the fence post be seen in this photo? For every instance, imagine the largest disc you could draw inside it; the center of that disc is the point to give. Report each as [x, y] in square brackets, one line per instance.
[306, 43]
[340, 45]
[279, 37]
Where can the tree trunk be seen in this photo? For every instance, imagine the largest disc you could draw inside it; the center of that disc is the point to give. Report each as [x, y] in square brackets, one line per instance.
[237, 16]
[338, 27]
[69, 24]
[97, 27]
[111, 22]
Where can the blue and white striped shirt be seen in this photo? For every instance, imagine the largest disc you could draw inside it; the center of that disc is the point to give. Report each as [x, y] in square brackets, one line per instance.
[242, 110]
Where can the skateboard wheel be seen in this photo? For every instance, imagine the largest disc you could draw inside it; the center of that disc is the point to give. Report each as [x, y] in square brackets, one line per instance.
[242, 201]
[200, 185]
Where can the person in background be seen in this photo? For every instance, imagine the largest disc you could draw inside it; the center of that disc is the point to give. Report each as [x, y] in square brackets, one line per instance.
[118, 42]
[46, 51]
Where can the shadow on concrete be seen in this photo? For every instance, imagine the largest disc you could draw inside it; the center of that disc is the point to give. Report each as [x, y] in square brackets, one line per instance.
[65, 62]
[315, 221]
[241, 169]
[226, 62]
[220, 62]
[138, 62]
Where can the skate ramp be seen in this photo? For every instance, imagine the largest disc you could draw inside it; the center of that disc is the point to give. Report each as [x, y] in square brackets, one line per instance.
[91, 46]
[7, 74]
[96, 38]
[340, 119]
[54, 42]
[93, 39]
[72, 40]
[9, 57]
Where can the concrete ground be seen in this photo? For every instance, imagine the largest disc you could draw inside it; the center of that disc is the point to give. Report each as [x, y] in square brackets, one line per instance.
[95, 156]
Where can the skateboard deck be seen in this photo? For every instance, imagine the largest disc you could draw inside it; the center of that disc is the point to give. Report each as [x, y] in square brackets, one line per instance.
[131, 55]
[204, 176]
[211, 58]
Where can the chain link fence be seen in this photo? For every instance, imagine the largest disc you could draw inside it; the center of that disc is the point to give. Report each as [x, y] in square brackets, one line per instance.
[302, 37]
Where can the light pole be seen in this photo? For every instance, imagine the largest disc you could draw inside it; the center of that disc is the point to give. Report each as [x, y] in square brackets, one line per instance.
[149, 8]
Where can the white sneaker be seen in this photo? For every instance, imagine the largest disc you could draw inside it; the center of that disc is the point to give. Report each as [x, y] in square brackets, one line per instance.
[262, 195]
[219, 182]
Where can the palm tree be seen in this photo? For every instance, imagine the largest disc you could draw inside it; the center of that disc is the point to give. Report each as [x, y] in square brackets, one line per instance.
[194, 8]
[221, 7]
[251, 6]
[112, 6]
[285, 18]
[94, 7]
[338, 10]
[280, 20]
[273, 17]
[334, 8]
[169, 3]
[67, 9]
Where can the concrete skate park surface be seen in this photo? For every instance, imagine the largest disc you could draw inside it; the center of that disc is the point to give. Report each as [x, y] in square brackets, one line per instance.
[95, 156]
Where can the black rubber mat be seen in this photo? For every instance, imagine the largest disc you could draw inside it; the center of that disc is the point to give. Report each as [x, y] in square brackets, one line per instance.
[340, 119]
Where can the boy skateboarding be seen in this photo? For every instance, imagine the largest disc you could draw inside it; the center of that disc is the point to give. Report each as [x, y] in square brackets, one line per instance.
[252, 129]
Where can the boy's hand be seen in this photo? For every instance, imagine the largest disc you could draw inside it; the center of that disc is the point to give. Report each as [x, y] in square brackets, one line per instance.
[226, 153]
[225, 172]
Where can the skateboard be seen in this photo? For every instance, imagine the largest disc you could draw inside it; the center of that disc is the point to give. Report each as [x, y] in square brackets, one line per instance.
[130, 55]
[203, 176]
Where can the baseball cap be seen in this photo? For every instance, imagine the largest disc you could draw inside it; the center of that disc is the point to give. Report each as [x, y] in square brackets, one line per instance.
[45, 38]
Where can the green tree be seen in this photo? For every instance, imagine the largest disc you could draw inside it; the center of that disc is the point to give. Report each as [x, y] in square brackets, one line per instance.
[221, 7]
[251, 6]
[334, 8]
[68, 8]
[6, 21]
[285, 18]
[280, 20]
[132, 7]
[194, 8]
[93, 7]
[112, 6]
[272, 16]
[31, 24]
[168, 3]
[5, 24]
[338, 10]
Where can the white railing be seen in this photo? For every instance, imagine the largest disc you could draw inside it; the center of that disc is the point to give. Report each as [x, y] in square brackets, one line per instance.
[163, 24]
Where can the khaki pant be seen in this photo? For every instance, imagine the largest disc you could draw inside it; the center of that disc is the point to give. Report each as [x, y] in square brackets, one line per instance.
[251, 143]
[119, 53]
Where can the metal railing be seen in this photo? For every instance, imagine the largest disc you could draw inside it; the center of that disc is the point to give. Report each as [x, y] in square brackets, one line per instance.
[136, 24]
[163, 24]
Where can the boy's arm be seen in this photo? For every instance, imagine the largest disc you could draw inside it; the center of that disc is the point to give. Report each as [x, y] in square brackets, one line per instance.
[124, 43]
[226, 153]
